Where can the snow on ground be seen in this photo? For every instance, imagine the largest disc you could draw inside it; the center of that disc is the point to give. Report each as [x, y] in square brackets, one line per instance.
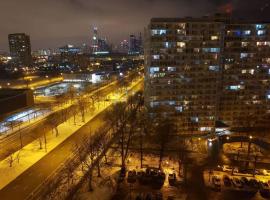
[105, 187]
[234, 147]
[31, 153]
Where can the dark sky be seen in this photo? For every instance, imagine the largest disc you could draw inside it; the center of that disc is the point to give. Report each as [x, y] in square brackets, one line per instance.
[53, 23]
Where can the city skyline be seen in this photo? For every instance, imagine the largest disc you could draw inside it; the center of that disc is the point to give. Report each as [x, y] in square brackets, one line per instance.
[62, 22]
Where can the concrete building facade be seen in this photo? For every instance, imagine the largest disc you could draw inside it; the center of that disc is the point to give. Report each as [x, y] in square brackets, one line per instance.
[202, 70]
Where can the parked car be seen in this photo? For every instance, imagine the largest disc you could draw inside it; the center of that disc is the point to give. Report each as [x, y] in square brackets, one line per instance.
[131, 176]
[245, 181]
[227, 168]
[227, 181]
[264, 189]
[237, 183]
[265, 172]
[253, 183]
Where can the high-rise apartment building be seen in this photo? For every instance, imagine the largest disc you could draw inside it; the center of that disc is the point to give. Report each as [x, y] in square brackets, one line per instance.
[20, 49]
[246, 74]
[202, 70]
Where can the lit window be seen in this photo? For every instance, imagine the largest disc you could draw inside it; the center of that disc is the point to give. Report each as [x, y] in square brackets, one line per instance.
[251, 71]
[244, 71]
[246, 32]
[214, 37]
[260, 26]
[179, 108]
[181, 44]
[171, 103]
[159, 31]
[196, 50]
[153, 69]
[261, 32]
[214, 68]
[181, 31]
[243, 55]
[268, 96]
[154, 104]
[237, 32]
[244, 44]
[263, 43]
[236, 87]
[194, 119]
[156, 57]
[212, 50]
[171, 69]
[205, 129]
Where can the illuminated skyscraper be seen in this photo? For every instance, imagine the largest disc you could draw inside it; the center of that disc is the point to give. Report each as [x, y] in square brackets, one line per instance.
[95, 40]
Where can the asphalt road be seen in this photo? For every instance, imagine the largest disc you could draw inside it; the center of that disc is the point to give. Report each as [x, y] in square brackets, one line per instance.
[28, 181]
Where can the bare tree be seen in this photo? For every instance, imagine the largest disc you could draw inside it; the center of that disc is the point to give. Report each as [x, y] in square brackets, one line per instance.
[10, 159]
[53, 121]
[164, 130]
[82, 107]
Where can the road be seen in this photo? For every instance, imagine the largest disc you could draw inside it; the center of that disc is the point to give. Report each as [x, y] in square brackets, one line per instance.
[28, 134]
[27, 182]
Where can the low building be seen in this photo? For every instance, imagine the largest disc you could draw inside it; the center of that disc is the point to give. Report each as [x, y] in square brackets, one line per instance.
[12, 100]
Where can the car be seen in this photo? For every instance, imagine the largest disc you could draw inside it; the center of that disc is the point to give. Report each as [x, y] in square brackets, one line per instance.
[172, 179]
[131, 176]
[264, 189]
[266, 172]
[227, 181]
[216, 182]
[245, 181]
[237, 183]
[254, 184]
[227, 168]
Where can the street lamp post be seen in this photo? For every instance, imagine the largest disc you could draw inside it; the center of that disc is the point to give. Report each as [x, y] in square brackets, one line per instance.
[249, 148]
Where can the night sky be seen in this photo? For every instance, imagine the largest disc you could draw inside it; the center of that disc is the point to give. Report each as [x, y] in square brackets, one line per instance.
[53, 23]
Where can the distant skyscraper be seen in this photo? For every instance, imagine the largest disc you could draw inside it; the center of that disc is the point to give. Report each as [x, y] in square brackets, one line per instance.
[20, 49]
[135, 44]
[132, 44]
[95, 40]
[99, 44]
[123, 47]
